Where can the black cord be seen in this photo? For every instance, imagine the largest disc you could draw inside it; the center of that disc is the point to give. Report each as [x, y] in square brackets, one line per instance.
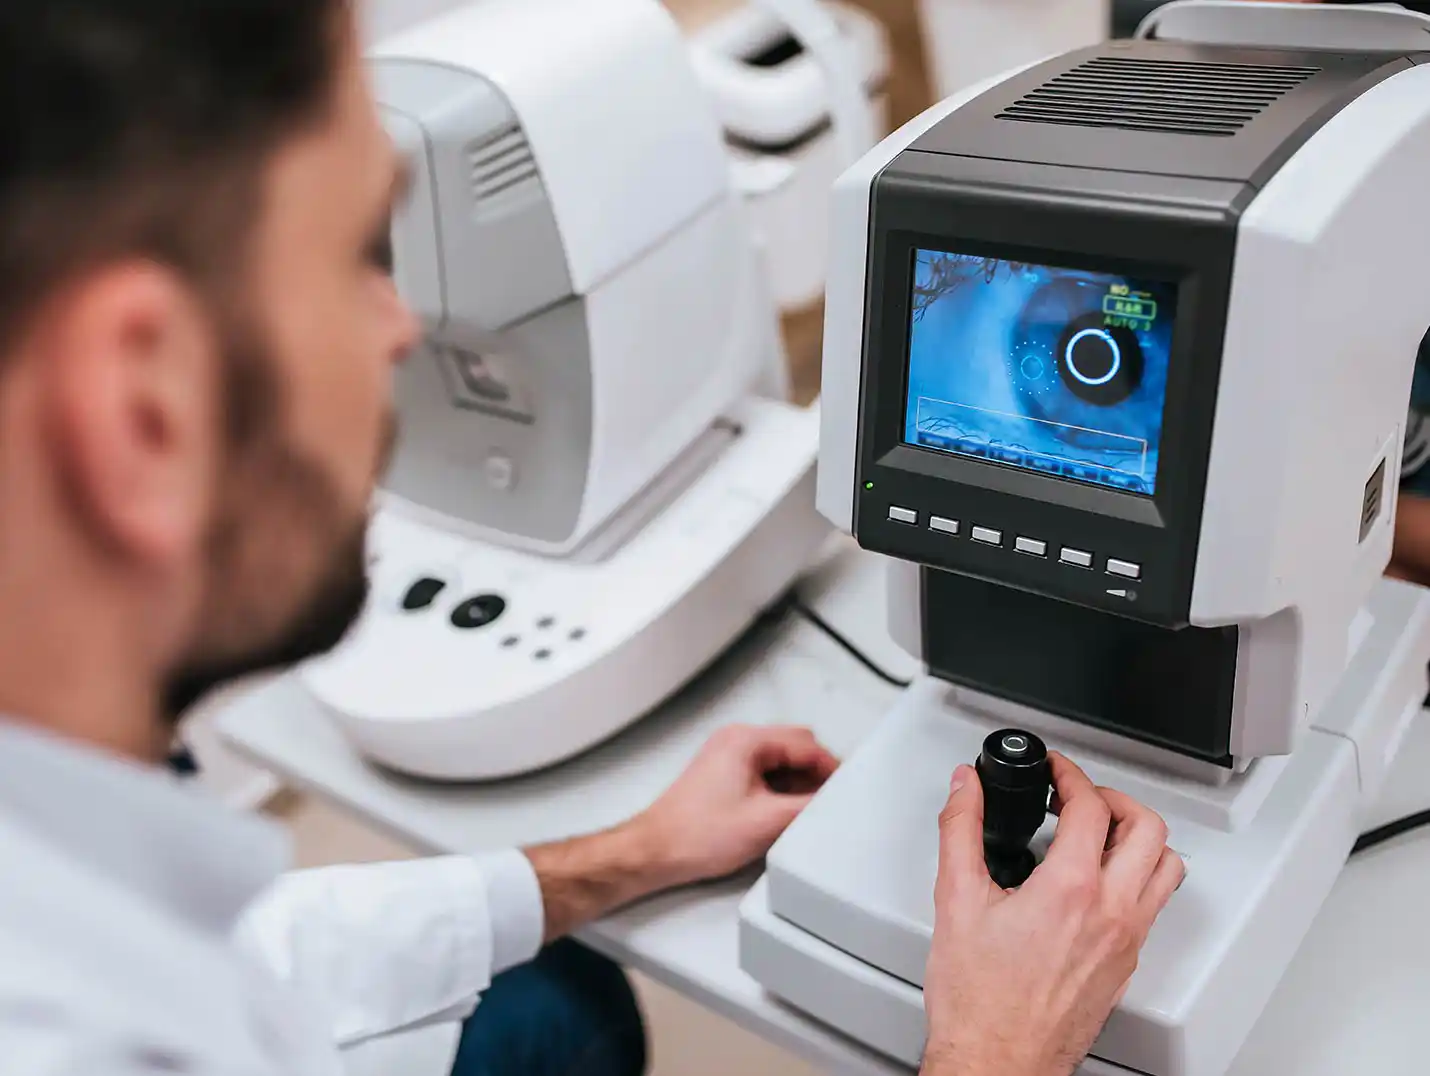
[1390, 831]
[853, 651]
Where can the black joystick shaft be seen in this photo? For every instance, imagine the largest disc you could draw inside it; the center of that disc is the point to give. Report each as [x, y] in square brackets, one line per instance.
[1017, 781]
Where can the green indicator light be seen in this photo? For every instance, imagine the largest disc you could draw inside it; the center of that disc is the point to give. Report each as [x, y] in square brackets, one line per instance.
[868, 485]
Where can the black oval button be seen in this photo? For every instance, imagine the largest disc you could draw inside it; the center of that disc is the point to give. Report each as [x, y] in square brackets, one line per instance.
[478, 612]
[422, 594]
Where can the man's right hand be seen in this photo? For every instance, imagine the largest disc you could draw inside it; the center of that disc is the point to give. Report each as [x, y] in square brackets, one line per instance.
[1021, 983]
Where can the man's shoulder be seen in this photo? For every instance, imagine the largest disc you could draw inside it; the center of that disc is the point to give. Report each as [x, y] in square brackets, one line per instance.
[92, 960]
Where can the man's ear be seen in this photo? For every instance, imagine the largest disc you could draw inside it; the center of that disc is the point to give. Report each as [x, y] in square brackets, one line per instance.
[130, 368]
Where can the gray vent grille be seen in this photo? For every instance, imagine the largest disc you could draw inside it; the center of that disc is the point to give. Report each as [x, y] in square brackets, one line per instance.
[1372, 501]
[503, 169]
[1171, 96]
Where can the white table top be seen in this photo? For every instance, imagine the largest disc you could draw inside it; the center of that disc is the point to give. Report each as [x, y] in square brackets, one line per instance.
[1350, 1003]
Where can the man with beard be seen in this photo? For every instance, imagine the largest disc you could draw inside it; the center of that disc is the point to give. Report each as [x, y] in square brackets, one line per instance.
[197, 336]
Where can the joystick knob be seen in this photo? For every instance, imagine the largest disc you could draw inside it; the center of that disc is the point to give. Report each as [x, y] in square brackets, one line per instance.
[1017, 780]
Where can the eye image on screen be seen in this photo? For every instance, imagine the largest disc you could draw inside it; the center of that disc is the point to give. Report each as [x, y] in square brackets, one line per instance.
[1059, 371]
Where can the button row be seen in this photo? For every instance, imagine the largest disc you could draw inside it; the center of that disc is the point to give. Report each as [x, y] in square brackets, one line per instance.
[475, 612]
[1033, 547]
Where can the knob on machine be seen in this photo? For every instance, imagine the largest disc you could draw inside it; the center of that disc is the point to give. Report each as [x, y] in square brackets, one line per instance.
[1017, 781]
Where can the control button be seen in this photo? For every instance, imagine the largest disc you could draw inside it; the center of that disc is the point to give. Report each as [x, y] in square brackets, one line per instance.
[987, 535]
[501, 472]
[422, 593]
[1076, 557]
[1124, 568]
[902, 515]
[478, 612]
[1034, 547]
[943, 526]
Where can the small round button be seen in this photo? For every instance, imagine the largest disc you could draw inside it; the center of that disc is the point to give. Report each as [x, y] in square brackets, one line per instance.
[501, 472]
[478, 612]
[1015, 744]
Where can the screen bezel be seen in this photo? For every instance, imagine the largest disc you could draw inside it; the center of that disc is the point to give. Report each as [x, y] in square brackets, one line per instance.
[886, 442]
[1173, 281]
[1088, 221]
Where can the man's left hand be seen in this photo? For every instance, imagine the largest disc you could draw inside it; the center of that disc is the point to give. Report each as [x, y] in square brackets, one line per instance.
[734, 800]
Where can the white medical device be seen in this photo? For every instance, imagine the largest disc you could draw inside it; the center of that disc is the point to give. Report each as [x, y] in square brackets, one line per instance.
[770, 90]
[599, 484]
[1117, 356]
[779, 102]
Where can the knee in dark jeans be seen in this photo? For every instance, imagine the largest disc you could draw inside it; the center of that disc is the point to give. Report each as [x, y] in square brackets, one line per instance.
[570, 1012]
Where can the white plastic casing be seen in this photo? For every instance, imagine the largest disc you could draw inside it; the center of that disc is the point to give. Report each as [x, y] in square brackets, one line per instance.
[783, 104]
[783, 141]
[1327, 312]
[620, 126]
[678, 319]
[695, 505]
[580, 650]
[1380, 27]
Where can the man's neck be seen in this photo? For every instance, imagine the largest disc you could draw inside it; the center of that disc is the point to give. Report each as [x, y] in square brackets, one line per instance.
[139, 740]
[82, 681]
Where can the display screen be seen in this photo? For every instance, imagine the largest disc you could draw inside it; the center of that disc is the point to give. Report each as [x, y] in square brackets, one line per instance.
[1059, 371]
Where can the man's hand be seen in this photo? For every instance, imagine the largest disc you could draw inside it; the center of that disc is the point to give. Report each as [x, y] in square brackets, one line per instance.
[723, 813]
[1021, 983]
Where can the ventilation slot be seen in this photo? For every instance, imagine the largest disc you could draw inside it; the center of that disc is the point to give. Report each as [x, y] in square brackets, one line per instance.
[1171, 96]
[1372, 501]
[503, 169]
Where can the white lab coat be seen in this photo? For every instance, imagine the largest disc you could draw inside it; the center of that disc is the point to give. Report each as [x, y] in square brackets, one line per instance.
[146, 930]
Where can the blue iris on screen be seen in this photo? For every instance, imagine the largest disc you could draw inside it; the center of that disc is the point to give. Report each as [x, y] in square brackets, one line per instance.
[1059, 371]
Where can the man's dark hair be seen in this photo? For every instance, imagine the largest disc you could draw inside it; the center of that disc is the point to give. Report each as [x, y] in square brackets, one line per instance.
[141, 128]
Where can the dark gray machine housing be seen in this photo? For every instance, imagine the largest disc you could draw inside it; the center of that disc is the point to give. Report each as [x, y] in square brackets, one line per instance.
[1133, 157]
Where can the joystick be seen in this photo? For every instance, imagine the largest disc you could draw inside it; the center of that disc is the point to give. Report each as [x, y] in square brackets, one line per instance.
[1017, 781]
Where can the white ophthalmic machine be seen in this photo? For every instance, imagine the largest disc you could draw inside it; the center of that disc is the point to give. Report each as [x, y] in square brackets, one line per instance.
[599, 483]
[1117, 354]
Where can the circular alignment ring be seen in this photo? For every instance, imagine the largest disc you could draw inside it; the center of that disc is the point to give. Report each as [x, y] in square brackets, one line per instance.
[1104, 336]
